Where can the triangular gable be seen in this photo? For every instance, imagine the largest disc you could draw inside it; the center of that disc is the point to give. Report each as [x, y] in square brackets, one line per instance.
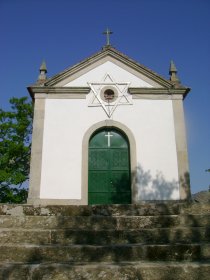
[108, 61]
[108, 67]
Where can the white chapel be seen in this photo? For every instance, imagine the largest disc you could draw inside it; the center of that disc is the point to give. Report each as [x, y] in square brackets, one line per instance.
[108, 130]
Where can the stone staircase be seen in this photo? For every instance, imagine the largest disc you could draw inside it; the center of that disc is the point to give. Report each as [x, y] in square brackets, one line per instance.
[151, 241]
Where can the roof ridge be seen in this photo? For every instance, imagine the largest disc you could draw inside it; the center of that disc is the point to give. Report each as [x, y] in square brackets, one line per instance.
[142, 65]
[110, 50]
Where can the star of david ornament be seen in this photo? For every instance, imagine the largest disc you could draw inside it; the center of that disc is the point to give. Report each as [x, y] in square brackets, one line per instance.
[109, 94]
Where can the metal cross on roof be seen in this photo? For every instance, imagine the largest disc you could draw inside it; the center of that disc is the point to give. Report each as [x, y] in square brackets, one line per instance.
[107, 33]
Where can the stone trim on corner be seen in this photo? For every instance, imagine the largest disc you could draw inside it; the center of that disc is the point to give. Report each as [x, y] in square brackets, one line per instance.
[36, 151]
[181, 149]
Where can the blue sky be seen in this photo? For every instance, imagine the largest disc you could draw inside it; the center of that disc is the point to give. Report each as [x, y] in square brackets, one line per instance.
[150, 31]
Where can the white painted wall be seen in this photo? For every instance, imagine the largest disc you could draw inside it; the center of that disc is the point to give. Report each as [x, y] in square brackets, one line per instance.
[152, 124]
[67, 120]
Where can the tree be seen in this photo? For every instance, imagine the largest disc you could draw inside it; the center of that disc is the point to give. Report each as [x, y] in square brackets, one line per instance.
[15, 146]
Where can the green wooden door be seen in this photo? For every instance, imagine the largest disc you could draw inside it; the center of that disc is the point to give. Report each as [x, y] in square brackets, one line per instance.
[109, 168]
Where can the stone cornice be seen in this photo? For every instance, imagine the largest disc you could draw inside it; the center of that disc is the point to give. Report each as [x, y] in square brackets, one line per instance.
[75, 91]
[81, 92]
[138, 92]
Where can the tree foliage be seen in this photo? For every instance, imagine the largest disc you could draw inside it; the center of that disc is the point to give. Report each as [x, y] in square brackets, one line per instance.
[15, 146]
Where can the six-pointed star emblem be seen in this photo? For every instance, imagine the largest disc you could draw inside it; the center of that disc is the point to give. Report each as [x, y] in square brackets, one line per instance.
[120, 92]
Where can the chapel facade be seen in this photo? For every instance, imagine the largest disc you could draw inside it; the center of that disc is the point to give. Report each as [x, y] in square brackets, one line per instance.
[108, 130]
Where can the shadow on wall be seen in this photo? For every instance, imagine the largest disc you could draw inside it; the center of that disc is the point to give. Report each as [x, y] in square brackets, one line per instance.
[149, 187]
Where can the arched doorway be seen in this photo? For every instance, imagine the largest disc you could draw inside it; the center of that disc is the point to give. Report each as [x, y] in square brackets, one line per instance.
[109, 179]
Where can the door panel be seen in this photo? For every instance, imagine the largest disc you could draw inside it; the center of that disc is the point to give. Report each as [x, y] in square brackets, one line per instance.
[98, 159]
[109, 198]
[119, 159]
[109, 168]
[99, 178]
[120, 181]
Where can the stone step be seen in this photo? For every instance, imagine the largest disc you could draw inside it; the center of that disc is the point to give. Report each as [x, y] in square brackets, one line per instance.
[195, 208]
[143, 209]
[88, 222]
[107, 271]
[103, 222]
[147, 209]
[114, 253]
[185, 235]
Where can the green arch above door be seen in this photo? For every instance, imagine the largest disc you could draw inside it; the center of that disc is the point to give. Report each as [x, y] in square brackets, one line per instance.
[109, 168]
